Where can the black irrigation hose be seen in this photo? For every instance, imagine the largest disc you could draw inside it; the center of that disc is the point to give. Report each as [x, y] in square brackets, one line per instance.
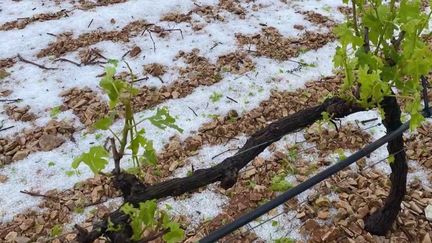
[368, 149]
[258, 212]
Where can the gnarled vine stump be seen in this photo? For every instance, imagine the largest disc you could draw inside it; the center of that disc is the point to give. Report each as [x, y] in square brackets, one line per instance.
[380, 222]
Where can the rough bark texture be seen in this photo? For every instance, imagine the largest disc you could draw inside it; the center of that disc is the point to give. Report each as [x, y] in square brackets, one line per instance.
[226, 172]
[380, 222]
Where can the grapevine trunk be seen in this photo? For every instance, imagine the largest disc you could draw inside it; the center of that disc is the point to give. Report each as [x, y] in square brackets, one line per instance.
[380, 222]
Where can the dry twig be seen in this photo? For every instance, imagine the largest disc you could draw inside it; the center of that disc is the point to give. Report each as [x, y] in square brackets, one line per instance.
[35, 64]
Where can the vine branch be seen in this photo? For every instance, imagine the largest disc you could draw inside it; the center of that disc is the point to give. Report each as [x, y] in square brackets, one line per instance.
[226, 172]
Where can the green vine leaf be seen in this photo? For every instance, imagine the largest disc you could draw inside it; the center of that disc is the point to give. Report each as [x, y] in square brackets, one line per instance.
[114, 88]
[175, 233]
[346, 36]
[113, 228]
[284, 240]
[148, 211]
[104, 123]
[96, 159]
[162, 119]
[395, 58]
[391, 159]
[55, 112]
[149, 154]
[114, 62]
[56, 230]
[135, 221]
[279, 184]
[141, 218]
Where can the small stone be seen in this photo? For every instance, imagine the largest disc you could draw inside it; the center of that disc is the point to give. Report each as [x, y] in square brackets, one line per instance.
[415, 207]
[175, 94]
[341, 213]
[249, 173]
[80, 103]
[11, 236]
[255, 197]
[173, 166]
[38, 228]
[241, 206]
[299, 27]
[361, 223]
[26, 224]
[28, 117]
[5, 159]
[70, 237]
[310, 225]
[279, 155]
[409, 223]
[345, 205]
[301, 215]
[258, 162]
[154, 69]
[323, 214]
[355, 229]
[193, 143]
[197, 27]
[20, 155]
[51, 127]
[362, 212]
[315, 235]
[330, 235]
[11, 146]
[22, 140]
[135, 51]
[22, 239]
[96, 193]
[260, 188]
[426, 239]
[428, 212]
[16, 116]
[23, 109]
[49, 142]
[53, 214]
[3, 74]
[3, 178]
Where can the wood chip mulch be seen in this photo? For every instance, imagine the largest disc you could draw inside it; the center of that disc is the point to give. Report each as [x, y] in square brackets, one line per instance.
[23, 22]
[67, 43]
[86, 4]
[419, 146]
[45, 138]
[56, 211]
[85, 104]
[349, 137]
[155, 69]
[271, 43]
[319, 19]
[7, 63]
[22, 113]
